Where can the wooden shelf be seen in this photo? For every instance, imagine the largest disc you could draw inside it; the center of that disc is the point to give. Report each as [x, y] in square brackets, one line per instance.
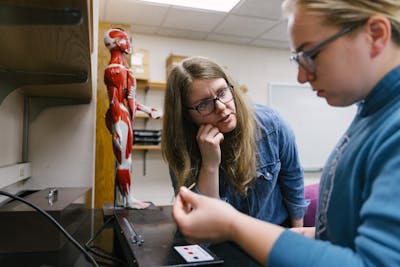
[149, 85]
[144, 116]
[143, 147]
[46, 49]
[159, 86]
[141, 116]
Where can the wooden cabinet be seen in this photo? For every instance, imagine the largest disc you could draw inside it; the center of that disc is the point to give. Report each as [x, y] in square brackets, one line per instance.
[45, 48]
[45, 53]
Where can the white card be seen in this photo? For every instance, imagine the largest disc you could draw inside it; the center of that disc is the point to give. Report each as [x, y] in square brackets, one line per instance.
[193, 253]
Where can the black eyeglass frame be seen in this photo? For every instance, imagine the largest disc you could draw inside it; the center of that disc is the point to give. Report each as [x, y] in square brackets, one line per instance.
[213, 100]
[310, 55]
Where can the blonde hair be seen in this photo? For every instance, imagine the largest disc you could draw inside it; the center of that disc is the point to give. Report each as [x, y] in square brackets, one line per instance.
[345, 13]
[178, 142]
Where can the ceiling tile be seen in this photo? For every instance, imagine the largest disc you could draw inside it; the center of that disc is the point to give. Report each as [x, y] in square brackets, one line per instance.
[172, 32]
[133, 12]
[144, 29]
[182, 33]
[269, 9]
[277, 32]
[202, 21]
[244, 26]
[251, 22]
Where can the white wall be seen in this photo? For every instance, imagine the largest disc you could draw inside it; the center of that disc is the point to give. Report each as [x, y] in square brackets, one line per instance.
[251, 66]
[11, 121]
[11, 133]
[61, 147]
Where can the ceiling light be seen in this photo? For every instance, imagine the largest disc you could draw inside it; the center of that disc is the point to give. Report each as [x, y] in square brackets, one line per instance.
[219, 5]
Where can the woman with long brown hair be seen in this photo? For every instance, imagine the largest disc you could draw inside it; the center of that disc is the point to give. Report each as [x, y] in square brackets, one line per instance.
[244, 155]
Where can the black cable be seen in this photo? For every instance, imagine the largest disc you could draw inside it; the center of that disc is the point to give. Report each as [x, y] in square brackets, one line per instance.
[102, 263]
[106, 256]
[48, 216]
[98, 251]
[99, 231]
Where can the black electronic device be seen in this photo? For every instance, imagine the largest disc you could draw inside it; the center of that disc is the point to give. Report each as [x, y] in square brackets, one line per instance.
[24, 229]
[148, 237]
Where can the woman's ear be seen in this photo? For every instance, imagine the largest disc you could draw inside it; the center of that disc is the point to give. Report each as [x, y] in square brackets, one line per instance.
[379, 32]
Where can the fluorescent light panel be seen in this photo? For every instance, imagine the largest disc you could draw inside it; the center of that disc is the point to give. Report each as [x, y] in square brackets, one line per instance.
[216, 5]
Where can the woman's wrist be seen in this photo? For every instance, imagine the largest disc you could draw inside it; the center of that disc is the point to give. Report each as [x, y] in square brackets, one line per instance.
[210, 169]
[208, 181]
[234, 225]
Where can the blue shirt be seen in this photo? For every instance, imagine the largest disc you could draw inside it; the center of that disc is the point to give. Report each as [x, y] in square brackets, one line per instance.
[358, 216]
[278, 191]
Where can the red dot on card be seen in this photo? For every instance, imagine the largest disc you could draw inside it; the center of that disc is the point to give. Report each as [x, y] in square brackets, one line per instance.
[185, 248]
[190, 252]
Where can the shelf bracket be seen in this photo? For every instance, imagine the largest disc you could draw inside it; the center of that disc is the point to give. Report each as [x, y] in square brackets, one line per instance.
[14, 79]
[11, 14]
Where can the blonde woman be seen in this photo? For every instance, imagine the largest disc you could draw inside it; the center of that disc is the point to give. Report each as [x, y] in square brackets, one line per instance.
[245, 156]
[349, 51]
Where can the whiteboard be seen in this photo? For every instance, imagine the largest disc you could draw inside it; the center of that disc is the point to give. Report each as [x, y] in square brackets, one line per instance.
[317, 126]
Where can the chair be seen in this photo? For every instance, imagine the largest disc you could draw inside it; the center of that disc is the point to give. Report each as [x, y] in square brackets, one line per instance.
[311, 193]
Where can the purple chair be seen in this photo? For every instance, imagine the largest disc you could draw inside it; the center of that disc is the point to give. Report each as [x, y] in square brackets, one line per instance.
[311, 193]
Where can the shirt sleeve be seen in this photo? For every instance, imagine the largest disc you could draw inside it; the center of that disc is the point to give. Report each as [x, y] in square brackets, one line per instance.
[291, 175]
[292, 250]
[376, 240]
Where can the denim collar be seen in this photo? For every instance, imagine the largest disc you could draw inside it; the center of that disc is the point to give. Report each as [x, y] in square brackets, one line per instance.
[387, 89]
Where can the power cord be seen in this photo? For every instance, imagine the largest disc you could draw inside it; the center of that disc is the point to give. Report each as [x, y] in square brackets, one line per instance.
[48, 216]
[99, 251]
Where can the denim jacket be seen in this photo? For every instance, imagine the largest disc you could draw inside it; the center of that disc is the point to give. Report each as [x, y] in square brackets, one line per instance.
[278, 192]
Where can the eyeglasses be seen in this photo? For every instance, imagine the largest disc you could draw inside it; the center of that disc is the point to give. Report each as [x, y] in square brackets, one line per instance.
[305, 59]
[206, 107]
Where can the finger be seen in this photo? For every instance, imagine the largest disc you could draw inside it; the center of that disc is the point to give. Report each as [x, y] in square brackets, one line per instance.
[204, 129]
[210, 135]
[178, 209]
[189, 197]
[220, 137]
[191, 241]
[213, 131]
[182, 206]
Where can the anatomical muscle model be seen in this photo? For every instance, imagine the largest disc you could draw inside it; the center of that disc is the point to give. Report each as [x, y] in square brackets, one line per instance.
[121, 88]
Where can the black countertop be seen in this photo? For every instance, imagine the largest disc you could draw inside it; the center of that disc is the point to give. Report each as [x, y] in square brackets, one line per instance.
[108, 242]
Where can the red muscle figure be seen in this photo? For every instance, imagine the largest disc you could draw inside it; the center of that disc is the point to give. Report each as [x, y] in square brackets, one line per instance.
[121, 87]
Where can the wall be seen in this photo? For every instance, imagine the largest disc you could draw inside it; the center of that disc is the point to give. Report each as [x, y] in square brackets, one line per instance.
[11, 121]
[60, 144]
[11, 115]
[61, 147]
[251, 66]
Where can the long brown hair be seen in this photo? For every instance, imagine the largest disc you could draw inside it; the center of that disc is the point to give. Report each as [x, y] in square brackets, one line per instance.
[178, 142]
